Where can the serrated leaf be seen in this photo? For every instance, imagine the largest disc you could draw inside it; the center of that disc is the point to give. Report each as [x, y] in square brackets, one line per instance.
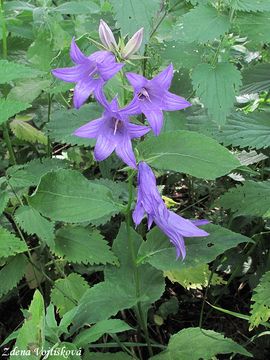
[208, 344]
[217, 87]
[10, 71]
[250, 5]
[188, 152]
[160, 253]
[194, 278]
[246, 23]
[63, 123]
[213, 24]
[79, 7]
[80, 245]
[111, 326]
[256, 79]
[24, 131]
[66, 195]
[67, 292]
[9, 244]
[32, 222]
[9, 108]
[28, 90]
[250, 199]
[31, 334]
[12, 273]
[260, 309]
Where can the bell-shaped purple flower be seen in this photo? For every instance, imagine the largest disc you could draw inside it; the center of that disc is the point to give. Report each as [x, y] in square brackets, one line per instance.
[106, 36]
[113, 131]
[150, 202]
[89, 72]
[153, 96]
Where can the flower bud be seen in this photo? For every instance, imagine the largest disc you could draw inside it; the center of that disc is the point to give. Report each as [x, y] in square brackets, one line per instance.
[133, 44]
[106, 36]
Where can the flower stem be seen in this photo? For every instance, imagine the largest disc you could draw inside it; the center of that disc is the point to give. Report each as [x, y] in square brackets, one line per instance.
[139, 311]
[4, 48]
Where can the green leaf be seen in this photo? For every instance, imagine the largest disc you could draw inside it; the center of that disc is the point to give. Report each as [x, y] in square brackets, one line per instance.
[217, 87]
[159, 252]
[256, 79]
[246, 23]
[31, 334]
[106, 356]
[30, 173]
[80, 245]
[28, 90]
[194, 278]
[250, 199]
[213, 24]
[10, 71]
[32, 222]
[12, 273]
[250, 5]
[65, 350]
[260, 309]
[188, 152]
[9, 108]
[9, 244]
[66, 195]
[111, 326]
[67, 292]
[208, 344]
[24, 131]
[63, 123]
[132, 15]
[4, 198]
[79, 7]
[40, 53]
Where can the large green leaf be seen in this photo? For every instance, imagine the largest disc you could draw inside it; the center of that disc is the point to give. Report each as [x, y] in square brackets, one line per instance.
[28, 90]
[81, 245]
[256, 78]
[32, 222]
[9, 108]
[24, 131]
[208, 344]
[213, 24]
[9, 244]
[77, 7]
[250, 5]
[260, 309]
[66, 195]
[12, 273]
[63, 123]
[10, 71]
[217, 87]
[246, 23]
[31, 334]
[159, 252]
[251, 199]
[188, 152]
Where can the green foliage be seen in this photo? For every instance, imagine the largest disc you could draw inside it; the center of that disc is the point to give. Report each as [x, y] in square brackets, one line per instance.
[213, 24]
[188, 152]
[260, 309]
[77, 7]
[216, 87]
[10, 71]
[256, 79]
[81, 245]
[4, 198]
[208, 344]
[12, 273]
[66, 195]
[67, 292]
[28, 90]
[246, 23]
[9, 244]
[251, 199]
[107, 356]
[250, 5]
[24, 131]
[9, 108]
[159, 252]
[32, 222]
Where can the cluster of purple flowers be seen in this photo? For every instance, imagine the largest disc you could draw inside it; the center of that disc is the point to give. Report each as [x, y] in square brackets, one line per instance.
[114, 131]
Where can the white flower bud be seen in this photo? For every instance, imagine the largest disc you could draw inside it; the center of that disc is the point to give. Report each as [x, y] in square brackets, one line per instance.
[106, 36]
[133, 44]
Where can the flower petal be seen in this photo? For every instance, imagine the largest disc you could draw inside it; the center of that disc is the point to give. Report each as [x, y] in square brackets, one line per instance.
[179, 247]
[164, 79]
[71, 74]
[184, 227]
[75, 53]
[137, 81]
[172, 102]
[100, 56]
[100, 96]
[83, 89]
[104, 147]
[108, 70]
[138, 213]
[136, 131]
[89, 130]
[133, 108]
[200, 222]
[125, 152]
[155, 119]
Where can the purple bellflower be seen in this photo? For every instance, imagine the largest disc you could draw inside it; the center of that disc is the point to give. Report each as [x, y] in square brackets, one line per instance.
[89, 72]
[150, 202]
[152, 96]
[113, 131]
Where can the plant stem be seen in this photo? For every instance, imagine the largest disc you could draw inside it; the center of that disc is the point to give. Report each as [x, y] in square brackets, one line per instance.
[139, 310]
[8, 143]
